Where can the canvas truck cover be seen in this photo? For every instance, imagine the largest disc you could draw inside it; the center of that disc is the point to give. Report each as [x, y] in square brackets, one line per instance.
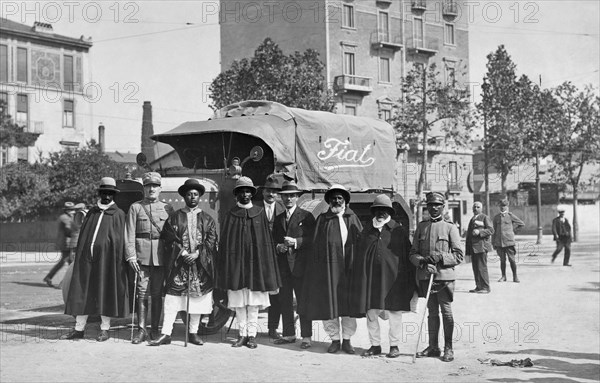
[318, 148]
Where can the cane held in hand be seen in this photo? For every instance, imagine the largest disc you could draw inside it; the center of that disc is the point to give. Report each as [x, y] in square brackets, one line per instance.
[423, 317]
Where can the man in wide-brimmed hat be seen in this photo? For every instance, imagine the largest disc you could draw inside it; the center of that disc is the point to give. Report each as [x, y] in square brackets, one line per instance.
[383, 277]
[272, 209]
[145, 220]
[506, 224]
[435, 250]
[191, 234]
[99, 282]
[247, 265]
[63, 240]
[292, 233]
[326, 288]
[561, 231]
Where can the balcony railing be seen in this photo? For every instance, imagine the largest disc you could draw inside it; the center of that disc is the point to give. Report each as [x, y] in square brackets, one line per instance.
[419, 5]
[450, 8]
[428, 47]
[351, 83]
[383, 39]
[455, 187]
[36, 127]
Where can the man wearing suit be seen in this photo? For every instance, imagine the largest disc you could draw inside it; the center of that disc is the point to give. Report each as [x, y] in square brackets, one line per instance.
[272, 209]
[561, 229]
[506, 224]
[478, 244]
[292, 231]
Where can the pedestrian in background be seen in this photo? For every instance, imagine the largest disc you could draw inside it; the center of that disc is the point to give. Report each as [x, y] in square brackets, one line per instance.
[561, 230]
[436, 250]
[63, 240]
[99, 282]
[506, 224]
[479, 233]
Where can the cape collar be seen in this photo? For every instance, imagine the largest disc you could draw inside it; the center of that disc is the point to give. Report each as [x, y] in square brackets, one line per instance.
[329, 214]
[254, 211]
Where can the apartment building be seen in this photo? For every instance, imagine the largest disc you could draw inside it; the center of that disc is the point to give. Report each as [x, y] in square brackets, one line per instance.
[44, 78]
[367, 47]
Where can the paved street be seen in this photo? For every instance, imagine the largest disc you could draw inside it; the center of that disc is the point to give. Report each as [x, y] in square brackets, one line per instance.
[552, 317]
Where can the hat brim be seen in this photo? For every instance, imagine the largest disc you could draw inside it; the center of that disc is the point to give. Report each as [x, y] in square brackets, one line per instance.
[345, 193]
[244, 186]
[110, 189]
[185, 188]
[390, 210]
[291, 192]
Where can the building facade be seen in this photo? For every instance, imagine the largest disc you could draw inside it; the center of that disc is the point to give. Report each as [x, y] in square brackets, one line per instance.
[45, 81]
[368, 46]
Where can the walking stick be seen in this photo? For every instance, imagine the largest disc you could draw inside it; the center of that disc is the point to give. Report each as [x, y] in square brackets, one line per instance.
[423, 317]
[187, 306]
[133, 304]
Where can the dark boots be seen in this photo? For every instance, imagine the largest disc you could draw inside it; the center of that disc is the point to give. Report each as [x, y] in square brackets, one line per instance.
[141, 335]
[155, 316]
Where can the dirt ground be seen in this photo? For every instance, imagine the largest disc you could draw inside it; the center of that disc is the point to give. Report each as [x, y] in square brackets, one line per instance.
[552, 317]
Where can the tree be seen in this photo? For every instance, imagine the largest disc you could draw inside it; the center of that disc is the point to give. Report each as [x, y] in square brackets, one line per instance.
[428, 101]
[503, 107]
[11, 134]
[575, 138]
[295, 80]
[24, 191]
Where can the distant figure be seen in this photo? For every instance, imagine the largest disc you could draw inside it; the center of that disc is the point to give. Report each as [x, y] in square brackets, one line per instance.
[80, 213]
[506, 224]
[246, 263]
[63, 240]
[478, 244]
[99, 282]
[561, 230]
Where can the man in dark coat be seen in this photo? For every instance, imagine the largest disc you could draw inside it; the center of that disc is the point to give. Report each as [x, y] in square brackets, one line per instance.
[326, 287]
[99, 282]
[435, 251]
[383, 278]
[272, 209]
[292, 232]
[247, 263]
[478, 244]
[506, 224]
[191, 236]
[561, 230]
[63, 241]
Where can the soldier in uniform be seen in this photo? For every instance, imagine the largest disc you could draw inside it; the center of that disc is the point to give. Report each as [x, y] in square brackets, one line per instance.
[436, 250]
[144, 253]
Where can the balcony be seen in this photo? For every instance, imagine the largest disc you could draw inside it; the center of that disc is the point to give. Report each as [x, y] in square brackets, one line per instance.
[386, 3]
[450, 9]
[382, 39]
[429, 47]
[36, 127]
[455, 187]
[350, 83]
[419, 5]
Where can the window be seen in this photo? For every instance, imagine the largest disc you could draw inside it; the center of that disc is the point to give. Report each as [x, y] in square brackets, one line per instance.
[384, 69]
[68, 113]
[68, 73]
[350, 110]
[418, 32]
[22, 110]
[347, 16]
[3, 156]
[449, 34]
[4, 99]
[384, 26]
[4, 63]
[386, 115]
[22, 64]
[453, 172]
[450, 70]
[349, 63]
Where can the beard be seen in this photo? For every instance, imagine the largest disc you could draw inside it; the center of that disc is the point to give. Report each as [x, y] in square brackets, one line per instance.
[336, 209]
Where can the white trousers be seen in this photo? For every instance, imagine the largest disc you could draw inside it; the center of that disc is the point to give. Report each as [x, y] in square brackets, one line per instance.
[175, 303]
[247, 319]
[332, 328]
[81, 320]
[374, 330]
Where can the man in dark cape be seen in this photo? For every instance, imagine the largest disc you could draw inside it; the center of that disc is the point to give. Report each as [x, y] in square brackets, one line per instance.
[326, 288]
[383, 279]
[247, 264]
[99, 282]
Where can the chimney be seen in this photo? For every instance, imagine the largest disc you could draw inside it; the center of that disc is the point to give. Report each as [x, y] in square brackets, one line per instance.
[101, 137]
[147, 131]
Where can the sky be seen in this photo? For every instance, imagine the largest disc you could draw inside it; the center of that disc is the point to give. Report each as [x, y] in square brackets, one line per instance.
[167, 52]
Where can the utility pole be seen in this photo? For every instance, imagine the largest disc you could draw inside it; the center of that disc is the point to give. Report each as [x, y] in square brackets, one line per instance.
[423, 177]
[486, 171]
[538, 187]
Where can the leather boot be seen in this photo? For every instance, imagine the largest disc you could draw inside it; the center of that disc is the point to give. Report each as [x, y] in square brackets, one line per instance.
[155, 314]
[141, 335]
[448, 354]
[163, 339]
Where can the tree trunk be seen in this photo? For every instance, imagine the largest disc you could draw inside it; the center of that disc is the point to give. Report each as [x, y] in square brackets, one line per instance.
[423, 176]
[504, 176]
[575, 223]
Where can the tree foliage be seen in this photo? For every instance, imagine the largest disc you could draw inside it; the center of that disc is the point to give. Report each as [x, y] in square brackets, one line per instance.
[295, 80]
[12, 134]
[30, 190]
